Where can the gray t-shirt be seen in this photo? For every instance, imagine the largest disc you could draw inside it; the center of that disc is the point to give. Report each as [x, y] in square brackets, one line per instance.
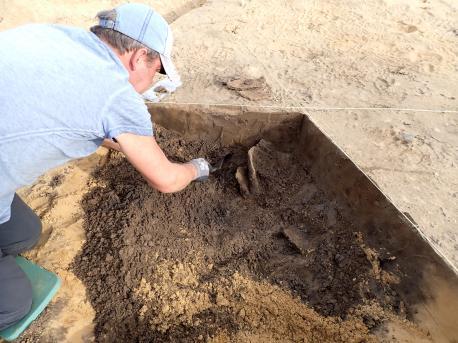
[62, 91]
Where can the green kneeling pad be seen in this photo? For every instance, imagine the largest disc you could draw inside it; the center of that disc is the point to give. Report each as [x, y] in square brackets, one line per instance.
[44, 286]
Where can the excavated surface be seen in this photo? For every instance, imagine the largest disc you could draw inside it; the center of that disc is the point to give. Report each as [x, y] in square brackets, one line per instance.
[210, 264]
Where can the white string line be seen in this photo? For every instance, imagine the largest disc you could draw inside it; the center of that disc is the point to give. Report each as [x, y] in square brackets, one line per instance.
[308, 108]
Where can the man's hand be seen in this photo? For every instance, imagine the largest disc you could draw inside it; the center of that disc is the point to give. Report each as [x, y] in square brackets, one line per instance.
[160, 90]
[108, 143]
[147, 157]
[202, 167]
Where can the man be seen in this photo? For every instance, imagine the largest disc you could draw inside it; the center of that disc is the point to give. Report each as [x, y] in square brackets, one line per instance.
[64, 92]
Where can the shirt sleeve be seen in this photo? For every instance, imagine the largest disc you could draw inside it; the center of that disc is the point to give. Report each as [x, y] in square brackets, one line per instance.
[126, 112]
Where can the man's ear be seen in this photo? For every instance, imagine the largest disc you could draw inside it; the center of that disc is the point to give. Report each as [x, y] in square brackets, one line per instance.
[137, 58]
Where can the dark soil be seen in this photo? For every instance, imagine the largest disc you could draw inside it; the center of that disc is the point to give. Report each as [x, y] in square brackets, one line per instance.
[131, 229]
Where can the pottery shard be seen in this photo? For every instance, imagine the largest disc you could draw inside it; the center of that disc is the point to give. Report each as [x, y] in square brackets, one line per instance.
[242, 84]
[241, 176]
[254, 181]
[296, 238]
[256, 94]
[251, 89]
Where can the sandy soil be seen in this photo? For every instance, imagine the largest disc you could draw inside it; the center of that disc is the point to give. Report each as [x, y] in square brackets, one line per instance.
[312, 53]
[56, 199]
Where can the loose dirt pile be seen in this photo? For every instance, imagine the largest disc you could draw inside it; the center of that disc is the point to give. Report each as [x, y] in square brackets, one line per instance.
[208, 264]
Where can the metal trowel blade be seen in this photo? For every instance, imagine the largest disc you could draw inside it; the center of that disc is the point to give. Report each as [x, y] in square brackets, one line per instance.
[218, 165]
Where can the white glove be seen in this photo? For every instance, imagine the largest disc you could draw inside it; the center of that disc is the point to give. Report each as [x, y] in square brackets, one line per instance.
[161, 89]
[203, 168]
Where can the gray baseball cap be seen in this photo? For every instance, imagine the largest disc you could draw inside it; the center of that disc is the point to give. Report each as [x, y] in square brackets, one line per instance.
[141, 23]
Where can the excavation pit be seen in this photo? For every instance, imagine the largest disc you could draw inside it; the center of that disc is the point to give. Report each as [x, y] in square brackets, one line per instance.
[288, 241]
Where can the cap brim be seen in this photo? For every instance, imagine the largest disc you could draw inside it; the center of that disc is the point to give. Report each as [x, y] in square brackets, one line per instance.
[169, 69]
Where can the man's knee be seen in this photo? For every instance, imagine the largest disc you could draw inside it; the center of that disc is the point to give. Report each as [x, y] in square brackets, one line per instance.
[22, 231]
[26, 242]
[34, 234]
[27, 218]
[15, 292]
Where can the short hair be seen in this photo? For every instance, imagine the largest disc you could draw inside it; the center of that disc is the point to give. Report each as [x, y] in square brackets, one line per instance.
[118, 40]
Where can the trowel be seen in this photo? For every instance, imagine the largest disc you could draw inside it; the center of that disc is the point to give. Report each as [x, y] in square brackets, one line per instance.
[219, 164]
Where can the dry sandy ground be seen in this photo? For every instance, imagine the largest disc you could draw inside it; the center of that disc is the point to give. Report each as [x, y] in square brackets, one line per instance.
[376, 53]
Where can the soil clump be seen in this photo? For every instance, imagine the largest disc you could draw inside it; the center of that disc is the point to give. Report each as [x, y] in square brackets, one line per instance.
[227, 262]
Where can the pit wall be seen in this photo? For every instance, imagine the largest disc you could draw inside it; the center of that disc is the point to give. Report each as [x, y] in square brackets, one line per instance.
[428, 282]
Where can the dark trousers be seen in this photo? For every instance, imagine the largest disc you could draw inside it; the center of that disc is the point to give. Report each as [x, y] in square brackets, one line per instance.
[17, 235]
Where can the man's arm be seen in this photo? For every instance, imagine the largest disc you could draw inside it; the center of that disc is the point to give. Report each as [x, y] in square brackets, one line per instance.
[147, 157]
